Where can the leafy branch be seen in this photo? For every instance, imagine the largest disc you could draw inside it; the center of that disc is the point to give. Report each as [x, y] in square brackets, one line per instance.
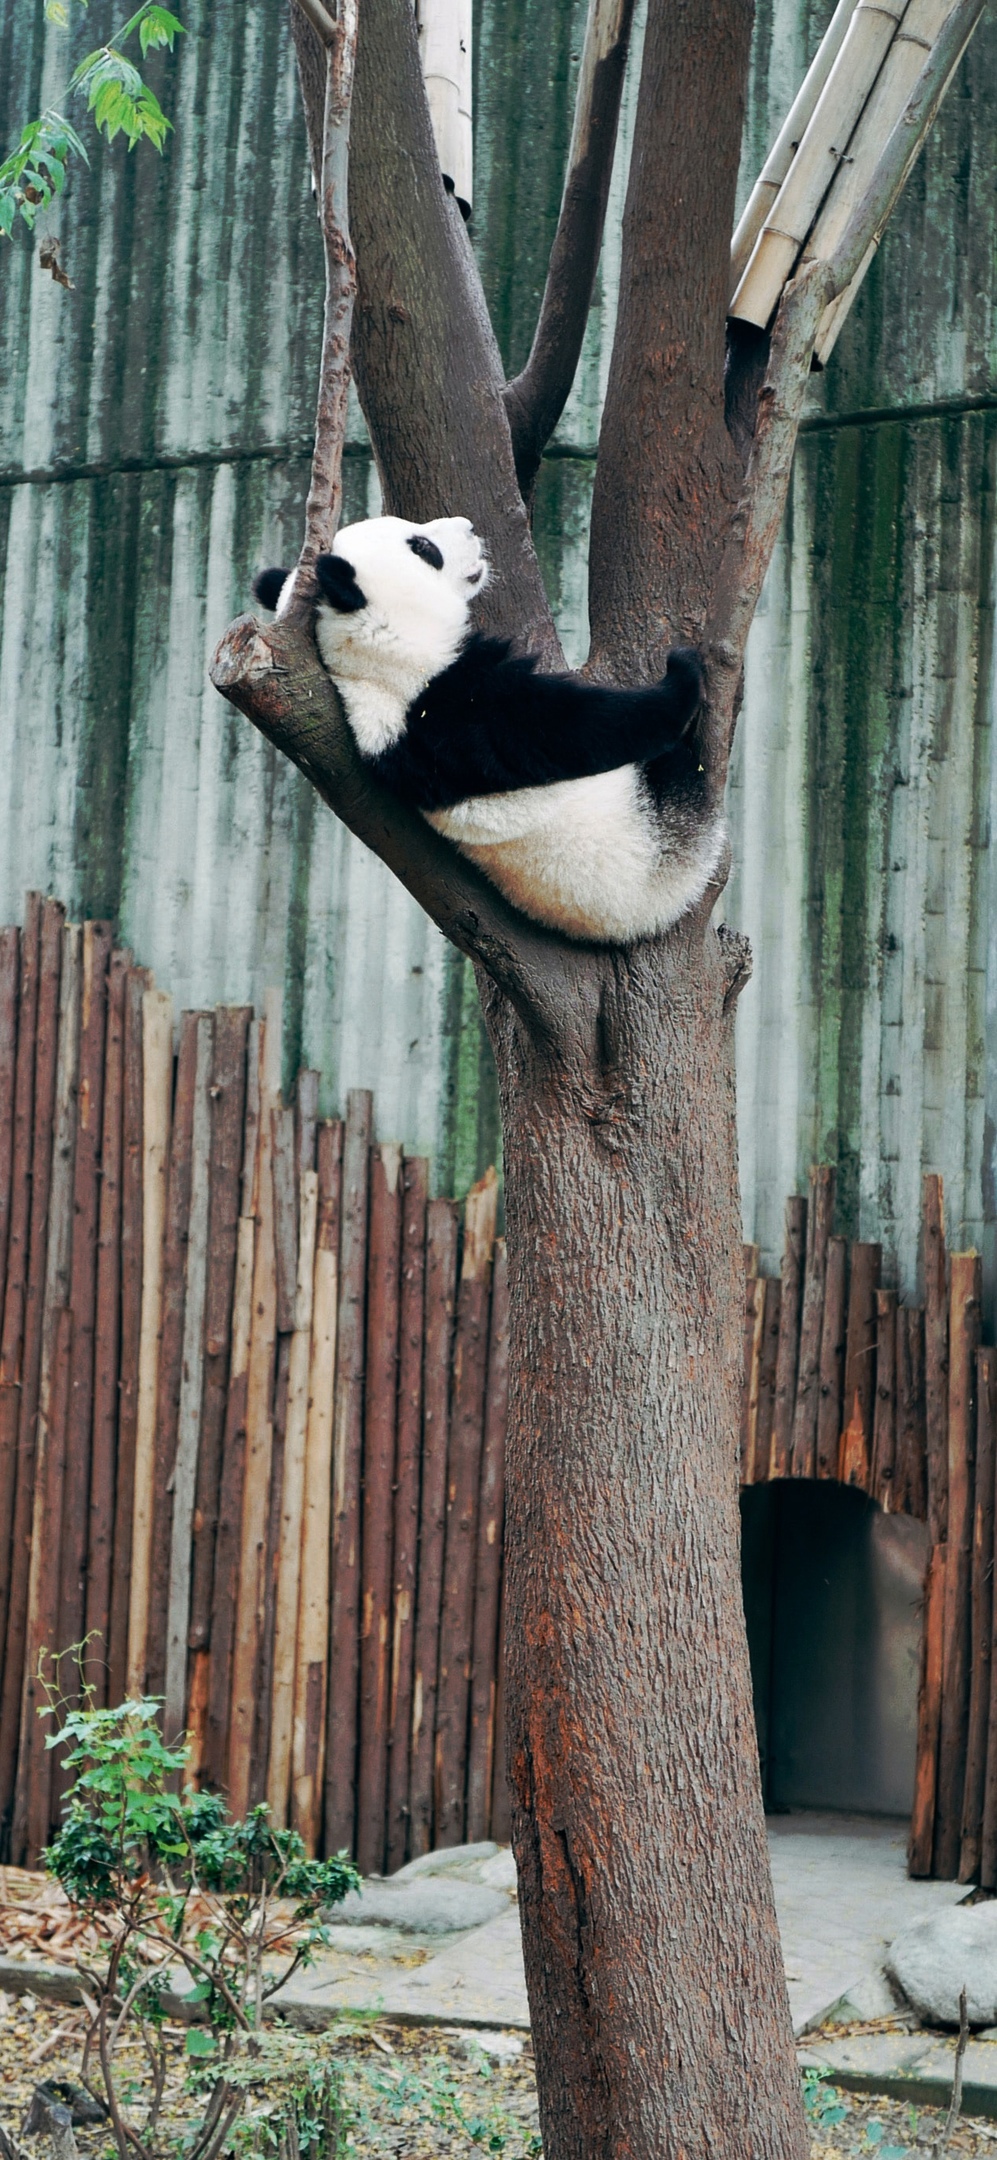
[120, 101]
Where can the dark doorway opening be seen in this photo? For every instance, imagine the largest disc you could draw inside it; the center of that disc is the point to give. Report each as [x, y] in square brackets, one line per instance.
[832, 1598]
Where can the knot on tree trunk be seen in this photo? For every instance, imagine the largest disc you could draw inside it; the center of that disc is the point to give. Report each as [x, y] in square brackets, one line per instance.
[736, 963]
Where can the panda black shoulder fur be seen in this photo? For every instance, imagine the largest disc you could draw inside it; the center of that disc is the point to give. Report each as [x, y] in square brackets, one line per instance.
[586, 806]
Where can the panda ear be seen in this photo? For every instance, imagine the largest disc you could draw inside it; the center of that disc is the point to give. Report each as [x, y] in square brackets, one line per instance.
[268, 586]
[337, 583]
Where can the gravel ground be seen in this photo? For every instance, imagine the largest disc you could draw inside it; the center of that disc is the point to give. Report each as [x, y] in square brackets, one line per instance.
[420, 2092]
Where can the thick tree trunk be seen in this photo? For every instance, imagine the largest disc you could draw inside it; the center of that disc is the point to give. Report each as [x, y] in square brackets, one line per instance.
[654, 1967]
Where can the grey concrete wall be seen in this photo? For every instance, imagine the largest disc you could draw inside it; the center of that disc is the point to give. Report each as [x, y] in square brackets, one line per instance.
[154, 427]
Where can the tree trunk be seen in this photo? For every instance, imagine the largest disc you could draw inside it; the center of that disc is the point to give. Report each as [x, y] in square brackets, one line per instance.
[653, 1959]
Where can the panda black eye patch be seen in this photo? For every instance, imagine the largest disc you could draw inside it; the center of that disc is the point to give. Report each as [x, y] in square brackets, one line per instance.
[426, 550]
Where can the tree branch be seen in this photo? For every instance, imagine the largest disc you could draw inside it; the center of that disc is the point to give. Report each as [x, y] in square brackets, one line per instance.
[325, 492]
[536, 398]
[668, 476]
[275, 677]
[755, 527]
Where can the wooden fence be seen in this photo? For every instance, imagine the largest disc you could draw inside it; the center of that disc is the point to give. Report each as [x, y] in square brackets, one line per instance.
[252, 1415]
[252, 1419]
[842, 1381]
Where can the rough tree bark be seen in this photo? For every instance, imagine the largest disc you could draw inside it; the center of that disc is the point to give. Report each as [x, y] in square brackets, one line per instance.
[653, 1960]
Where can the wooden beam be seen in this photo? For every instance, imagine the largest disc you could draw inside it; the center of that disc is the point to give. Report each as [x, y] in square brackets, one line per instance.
[463, 1486]
[132, 1182]
[964, 1339]
[832, 1358]
[441, 1287]
[228, 1101]
[488, 1572]
[191, 1389]
[292, 1507]
[820, 1218]
[157, 1091]
[936, 1354]
[793, 1263]
[107, 1340]
[884, 1435]
[929, 1706]
[383, 1314]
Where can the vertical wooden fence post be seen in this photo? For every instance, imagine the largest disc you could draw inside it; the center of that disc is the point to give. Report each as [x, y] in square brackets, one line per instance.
[380, 1418]
[12, 1333]
[311, 1657]
[884, 1433]
[157, 1095]
[936, 1355]
[981, 1597]
[344, 1618]
[793, 1262]
[406, 1528]
[292, 1506]
[910, 1476]
[184, 1476]
[441, 1287]
[832, 1357]
[964, 1339]
[107, 1340]
[132, 1184]
[252, 1577]
[488, 1572]
[228, 1101]
[855, 1458]
[169, 1374]
[929, 1710]
[768, 1362]
[820, 1219]
[94, 960]
[463, 1482]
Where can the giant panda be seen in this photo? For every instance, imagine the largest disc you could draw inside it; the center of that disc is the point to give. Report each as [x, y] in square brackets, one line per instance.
[587, 807]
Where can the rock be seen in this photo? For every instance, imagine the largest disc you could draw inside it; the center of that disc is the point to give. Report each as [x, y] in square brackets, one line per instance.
[447, 1858]
[933, 1959]
[49, 2118]
[477, 2040]
[428, 1906]
[500, 1873]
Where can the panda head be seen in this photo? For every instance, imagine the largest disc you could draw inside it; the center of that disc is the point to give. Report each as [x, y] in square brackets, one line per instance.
[393, 610]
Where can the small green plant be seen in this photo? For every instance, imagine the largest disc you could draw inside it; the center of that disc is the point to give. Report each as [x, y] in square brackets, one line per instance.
[435, 2097]
[121, 104]
[188, 1902]
[821, 2103]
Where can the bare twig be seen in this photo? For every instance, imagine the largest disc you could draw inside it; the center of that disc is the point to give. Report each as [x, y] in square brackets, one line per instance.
[871, 214]
[956, 2103]
[321, 21]
[536, 398]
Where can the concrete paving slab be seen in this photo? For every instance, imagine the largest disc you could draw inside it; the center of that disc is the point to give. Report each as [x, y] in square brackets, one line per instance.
[476, 1980]
[842, 1893]
[910, 2066]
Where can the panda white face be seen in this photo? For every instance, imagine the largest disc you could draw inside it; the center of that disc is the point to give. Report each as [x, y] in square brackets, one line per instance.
[400, 618]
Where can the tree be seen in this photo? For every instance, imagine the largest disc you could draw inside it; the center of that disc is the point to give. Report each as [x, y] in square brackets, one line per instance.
[653, 1959]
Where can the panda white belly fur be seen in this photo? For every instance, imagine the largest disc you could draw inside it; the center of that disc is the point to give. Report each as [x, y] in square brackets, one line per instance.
[592, 858]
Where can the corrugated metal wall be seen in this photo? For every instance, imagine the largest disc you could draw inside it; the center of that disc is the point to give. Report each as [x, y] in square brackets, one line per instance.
[154, 426]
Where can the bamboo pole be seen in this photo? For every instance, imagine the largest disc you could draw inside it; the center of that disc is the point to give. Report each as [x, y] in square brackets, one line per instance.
[820, 1217]
[776, 167]
[771, 1322]
[936, 1354]
[488, 1572]
[832, 1357]
[344, 1645]
[132, 1184]
[415, 1184]
[107, 1341]
[227, 1104]
[910, 1477]
[10, 962]
[311, 1659]
[249, 1615]
[184, 1477]
[29, 1351]
[292, 1506]
[981, 1620]
[789, 1336]
[922, 23]
[15, 1280]
[33, 1795]
[463, 1486]
[964, 1338]
[169, 1374]
[884, 1436]
[225, 1572]
[157, 1089]
[380, 1422]
[929, 1705]
[441, 1286]
[855, 1459]
[754, 1322]
[826, 141]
